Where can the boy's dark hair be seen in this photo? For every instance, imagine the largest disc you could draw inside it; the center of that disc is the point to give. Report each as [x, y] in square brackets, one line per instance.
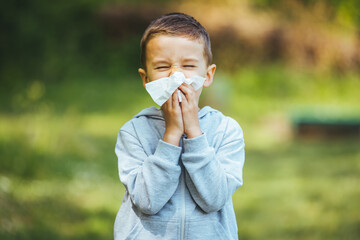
[176, 24]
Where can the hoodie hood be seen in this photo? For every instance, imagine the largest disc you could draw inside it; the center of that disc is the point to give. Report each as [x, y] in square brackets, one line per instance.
[156, 113]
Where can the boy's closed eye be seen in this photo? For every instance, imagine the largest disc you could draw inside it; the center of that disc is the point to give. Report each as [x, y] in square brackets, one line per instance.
[189, 66]
[162, 67]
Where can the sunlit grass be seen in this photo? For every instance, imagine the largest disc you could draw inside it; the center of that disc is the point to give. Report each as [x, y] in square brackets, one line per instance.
[300, 191]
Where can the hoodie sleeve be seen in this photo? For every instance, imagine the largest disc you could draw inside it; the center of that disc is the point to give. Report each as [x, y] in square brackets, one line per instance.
[150, 180]
[212, 177]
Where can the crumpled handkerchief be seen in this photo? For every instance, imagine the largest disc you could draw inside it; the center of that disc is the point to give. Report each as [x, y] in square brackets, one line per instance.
[161, 90]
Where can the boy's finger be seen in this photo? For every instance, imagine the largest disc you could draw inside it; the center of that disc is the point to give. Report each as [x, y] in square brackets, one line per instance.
[190, 86]
[168, 103]
[187, 90]
[175, 99]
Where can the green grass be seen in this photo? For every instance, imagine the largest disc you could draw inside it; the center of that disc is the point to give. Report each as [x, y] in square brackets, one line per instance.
[301, 190]
[58, 169]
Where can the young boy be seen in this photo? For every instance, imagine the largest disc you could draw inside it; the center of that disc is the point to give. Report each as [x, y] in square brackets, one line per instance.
[179, 164]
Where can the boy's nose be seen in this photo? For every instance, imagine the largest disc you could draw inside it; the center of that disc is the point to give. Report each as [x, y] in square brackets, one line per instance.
[174, 69]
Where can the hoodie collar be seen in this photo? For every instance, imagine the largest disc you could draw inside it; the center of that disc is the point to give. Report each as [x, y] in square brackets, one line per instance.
[157, 113]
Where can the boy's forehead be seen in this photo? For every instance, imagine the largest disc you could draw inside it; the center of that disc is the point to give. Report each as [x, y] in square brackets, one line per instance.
[167, 45]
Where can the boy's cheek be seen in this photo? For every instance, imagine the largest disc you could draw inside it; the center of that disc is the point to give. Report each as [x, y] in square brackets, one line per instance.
[196, 72]
[158, 76]
[153, 75]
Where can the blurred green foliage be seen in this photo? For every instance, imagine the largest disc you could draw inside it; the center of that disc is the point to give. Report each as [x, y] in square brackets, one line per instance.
[54, 41]
[347, 11]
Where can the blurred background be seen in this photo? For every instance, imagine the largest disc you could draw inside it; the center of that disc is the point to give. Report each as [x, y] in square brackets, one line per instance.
[288, 72]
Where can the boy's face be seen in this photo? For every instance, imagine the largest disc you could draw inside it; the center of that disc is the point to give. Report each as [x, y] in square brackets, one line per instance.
[168, 54]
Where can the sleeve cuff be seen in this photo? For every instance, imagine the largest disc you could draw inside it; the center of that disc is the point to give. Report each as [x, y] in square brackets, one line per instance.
[196, 144]
[167, 151]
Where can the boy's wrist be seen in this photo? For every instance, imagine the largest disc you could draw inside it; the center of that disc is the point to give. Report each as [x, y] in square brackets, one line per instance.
[172, 138]
[193, 133]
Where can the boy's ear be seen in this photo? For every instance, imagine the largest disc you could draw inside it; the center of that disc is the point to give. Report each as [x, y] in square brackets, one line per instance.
[210, 75]
[143, 76]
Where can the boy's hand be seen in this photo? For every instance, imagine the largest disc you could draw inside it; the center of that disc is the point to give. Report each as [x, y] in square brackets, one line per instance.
[190, 109]
[174, 126]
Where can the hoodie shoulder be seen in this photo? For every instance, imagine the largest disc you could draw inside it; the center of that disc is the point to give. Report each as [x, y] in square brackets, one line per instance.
[151, 112]
[206, 111]
[214, 113]
[214, 119]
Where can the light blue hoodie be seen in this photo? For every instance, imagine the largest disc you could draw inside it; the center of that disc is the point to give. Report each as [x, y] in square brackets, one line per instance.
[177, 192]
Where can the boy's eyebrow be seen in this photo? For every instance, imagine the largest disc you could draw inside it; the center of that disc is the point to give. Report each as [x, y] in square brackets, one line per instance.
[191, 59]
[163, 61]
[156, 62]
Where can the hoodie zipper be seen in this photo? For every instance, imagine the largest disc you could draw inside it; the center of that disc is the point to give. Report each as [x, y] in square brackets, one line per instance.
[183, 210]
[183, 206]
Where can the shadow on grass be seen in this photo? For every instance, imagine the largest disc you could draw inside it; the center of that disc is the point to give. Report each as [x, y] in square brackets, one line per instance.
[52, 218]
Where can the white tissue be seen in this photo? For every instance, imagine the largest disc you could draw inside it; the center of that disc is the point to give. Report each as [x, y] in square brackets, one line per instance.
[161, 90]
[179, 96]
